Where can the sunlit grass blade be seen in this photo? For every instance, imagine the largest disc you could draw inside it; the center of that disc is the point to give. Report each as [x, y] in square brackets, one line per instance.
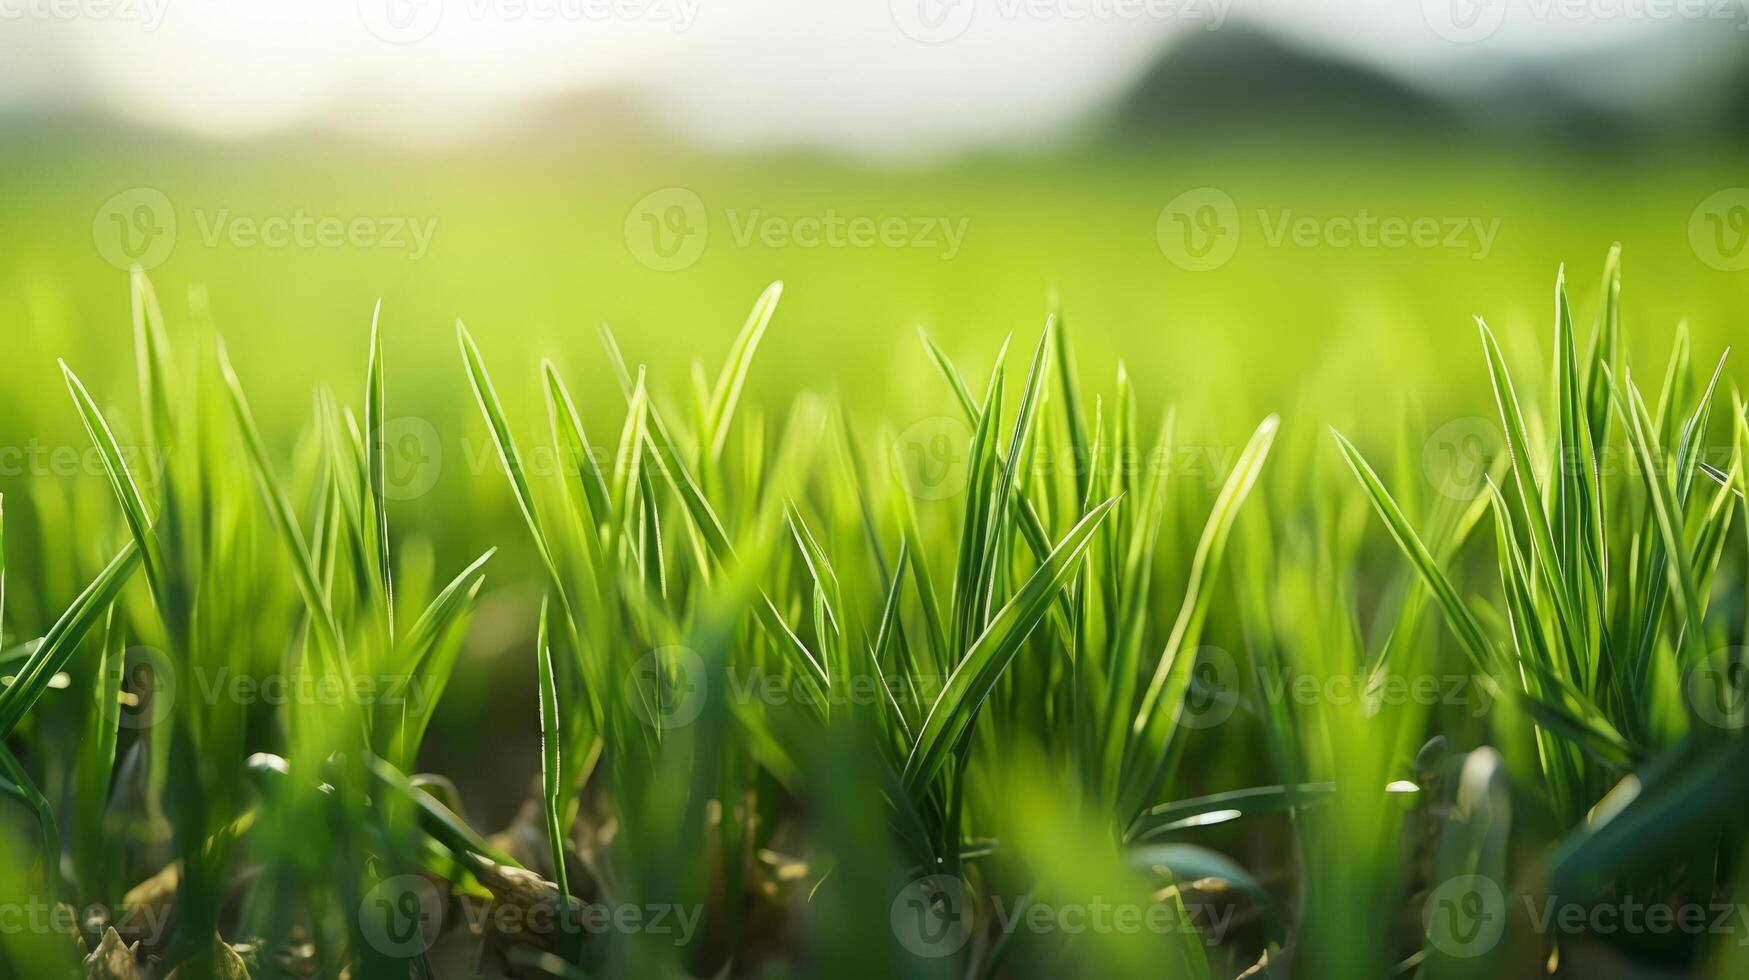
[1071, 411]
[95, 851]
[590, 496]
[154, 365]
[554, 793]
[955, 382]
[121, 480]
[954, 709]
[1008, 482]
[1547, 556]
[376, 455]
[1145, 756]
[1664, 509]
[63, 639]
[1457, 615]
[285, 522]
[487, 397]
[728, 387]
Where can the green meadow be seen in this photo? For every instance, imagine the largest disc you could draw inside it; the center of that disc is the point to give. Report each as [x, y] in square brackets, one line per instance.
[1312, 560]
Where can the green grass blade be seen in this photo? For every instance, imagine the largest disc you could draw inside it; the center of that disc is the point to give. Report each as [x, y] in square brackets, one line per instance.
[279, 509]
[153, 362]
[121, 479]
[554, 793]
[1547, 554]
[1665, 512]
[1458, 616]
[728, 387]
[1158, 714]
[955, 382]
[493, 409]
[376, 456]
[970, 683]
[64, 637]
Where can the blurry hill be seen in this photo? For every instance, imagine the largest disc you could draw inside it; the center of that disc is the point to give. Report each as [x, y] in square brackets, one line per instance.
[1684, 85]
[1241, 76]
[1688, 83]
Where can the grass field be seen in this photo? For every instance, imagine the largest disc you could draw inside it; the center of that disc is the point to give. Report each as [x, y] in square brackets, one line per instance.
[1255, 607]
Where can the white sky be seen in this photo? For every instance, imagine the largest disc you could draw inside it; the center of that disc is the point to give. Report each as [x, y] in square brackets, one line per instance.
[886, 77]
